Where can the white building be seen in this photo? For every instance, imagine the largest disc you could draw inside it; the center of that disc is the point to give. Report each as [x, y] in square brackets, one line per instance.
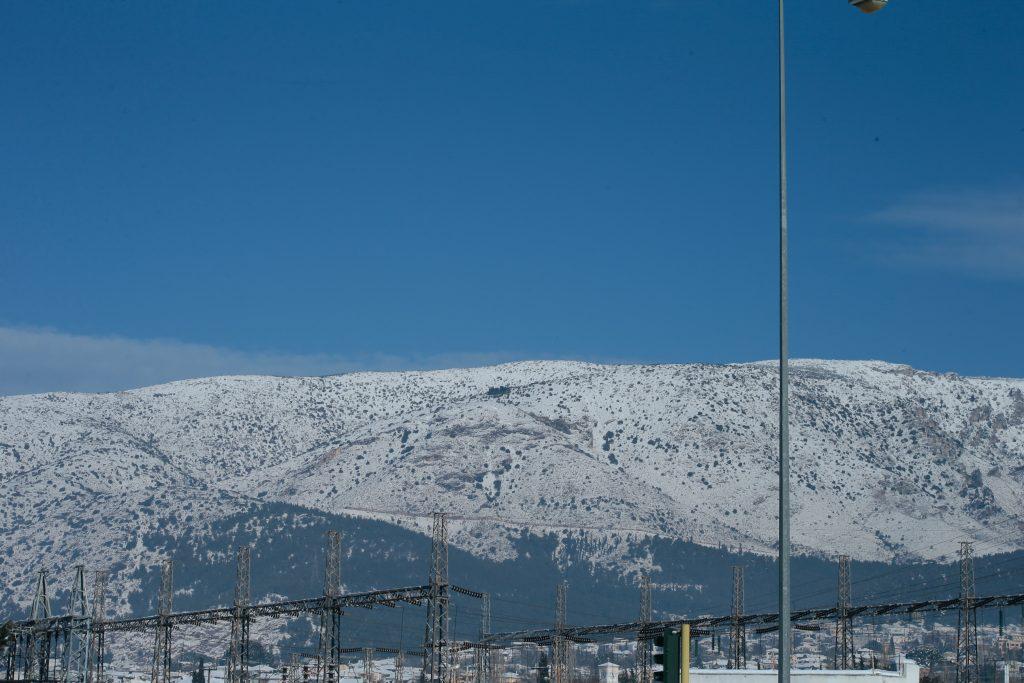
[608, 672]
[909, 672]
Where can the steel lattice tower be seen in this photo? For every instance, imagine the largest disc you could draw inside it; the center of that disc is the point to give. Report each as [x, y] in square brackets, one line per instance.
[497, 665]
[37, 647]
[561, 654]
[967, 666]
[329, 650]
[843, 657]
[11, 656]
[161, 672]
[367, 664]
[644, 653]
[482, 653]
[238, 650]
[399, 666]
[75, 659]
[97, 646]
[295, 669]
[436, 665]
[737, 631]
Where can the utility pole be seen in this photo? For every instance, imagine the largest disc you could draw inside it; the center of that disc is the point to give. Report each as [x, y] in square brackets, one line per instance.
[436, 642]
[967, 667]
[238, 653]
[738, 632]
[99, 614]
[329, 654]
[161, 672]
[644, 654]
[843, 657]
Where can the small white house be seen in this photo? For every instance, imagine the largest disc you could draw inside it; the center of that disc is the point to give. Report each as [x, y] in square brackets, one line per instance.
[608, 672]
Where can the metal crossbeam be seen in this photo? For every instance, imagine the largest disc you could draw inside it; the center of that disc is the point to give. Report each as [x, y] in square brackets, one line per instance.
[649, 630]
[388, 597]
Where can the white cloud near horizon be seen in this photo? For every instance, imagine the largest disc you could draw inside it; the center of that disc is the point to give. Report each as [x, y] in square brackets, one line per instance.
[976, 231]
[35, 360]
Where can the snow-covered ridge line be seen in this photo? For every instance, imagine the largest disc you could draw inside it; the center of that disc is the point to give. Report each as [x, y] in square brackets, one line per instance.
[887, 461]
[362, 375]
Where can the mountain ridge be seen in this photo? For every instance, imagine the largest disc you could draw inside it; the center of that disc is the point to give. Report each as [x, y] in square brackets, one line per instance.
[889, 462]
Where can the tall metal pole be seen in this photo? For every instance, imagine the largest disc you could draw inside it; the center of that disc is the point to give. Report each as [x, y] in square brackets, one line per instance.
[784, 625]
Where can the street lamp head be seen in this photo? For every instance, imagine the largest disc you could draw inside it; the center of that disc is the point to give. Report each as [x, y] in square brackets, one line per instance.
[869, 6]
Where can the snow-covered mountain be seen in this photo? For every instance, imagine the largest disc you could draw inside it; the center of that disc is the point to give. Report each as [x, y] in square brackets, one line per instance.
[888, 462]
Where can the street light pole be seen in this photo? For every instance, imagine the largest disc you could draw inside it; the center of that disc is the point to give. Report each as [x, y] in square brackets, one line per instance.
[785, 640]
[785, 630]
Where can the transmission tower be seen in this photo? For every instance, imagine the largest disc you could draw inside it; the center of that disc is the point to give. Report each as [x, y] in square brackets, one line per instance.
[644, 654]
[97, 646]
[295, 669]
[329, 650]
[482, 653]
[75, 659]
[497, 665]
[399, 666]
[37, 647]
[161, 672]
[367, 665]
[238, 651]
[11, 656]
[436, 665]
[561, 648]
[737, 631]
[967, 667]
[843, 657]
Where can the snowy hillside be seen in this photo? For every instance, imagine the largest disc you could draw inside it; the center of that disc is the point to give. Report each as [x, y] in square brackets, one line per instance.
[887, 461]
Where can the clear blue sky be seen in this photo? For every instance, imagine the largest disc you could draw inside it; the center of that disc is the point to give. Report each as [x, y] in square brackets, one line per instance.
[190, 188]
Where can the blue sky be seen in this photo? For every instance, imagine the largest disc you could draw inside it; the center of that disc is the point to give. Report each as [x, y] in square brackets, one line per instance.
[196, 188]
